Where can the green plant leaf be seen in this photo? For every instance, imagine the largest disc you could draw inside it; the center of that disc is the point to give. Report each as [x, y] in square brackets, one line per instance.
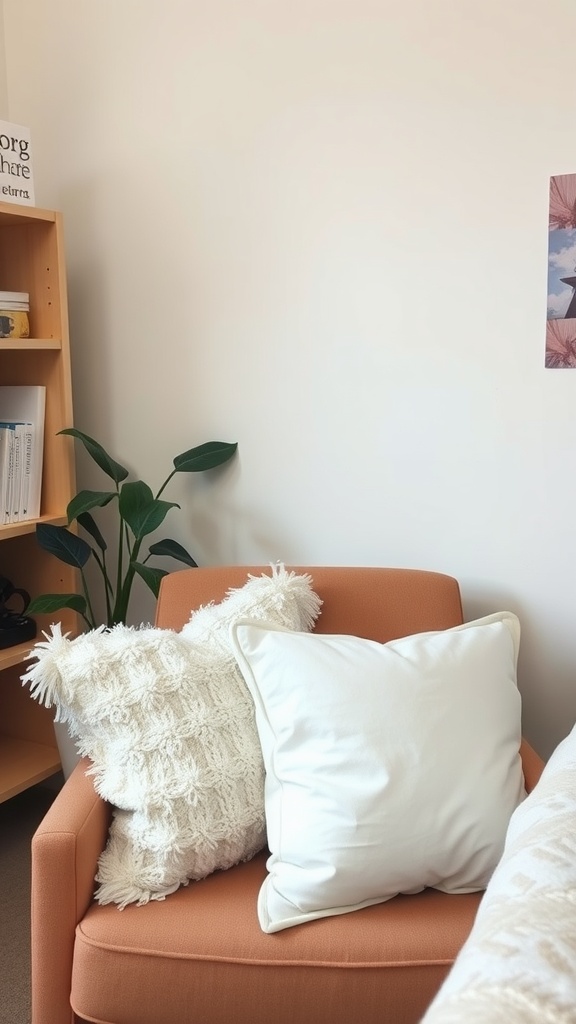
[85, 500]
[66, 546]
[204, 456]
[107, 464]
[151, 577]
[141, 510]
[138, 514]
[171, 549]
[88, 523]
[48, 603]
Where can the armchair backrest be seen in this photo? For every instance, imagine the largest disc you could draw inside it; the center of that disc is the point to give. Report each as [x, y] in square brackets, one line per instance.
[376, 603]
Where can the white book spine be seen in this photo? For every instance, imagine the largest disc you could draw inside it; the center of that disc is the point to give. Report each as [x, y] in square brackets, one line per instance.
[26, 404]
[10, 481]
[18, 442]
[26, 471]
[4, 454]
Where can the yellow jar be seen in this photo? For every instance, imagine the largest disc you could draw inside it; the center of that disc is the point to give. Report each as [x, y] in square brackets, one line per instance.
[14, 308]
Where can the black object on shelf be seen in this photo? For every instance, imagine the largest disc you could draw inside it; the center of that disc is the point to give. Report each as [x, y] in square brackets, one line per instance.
[15, 626]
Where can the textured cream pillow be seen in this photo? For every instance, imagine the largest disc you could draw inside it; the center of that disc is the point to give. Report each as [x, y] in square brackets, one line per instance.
[169, 725]
[390, 767]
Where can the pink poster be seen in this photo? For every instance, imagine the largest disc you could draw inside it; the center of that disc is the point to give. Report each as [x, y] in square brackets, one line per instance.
[561, 314]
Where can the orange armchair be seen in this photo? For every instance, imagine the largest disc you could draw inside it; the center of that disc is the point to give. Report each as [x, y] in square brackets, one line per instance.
[200, 955]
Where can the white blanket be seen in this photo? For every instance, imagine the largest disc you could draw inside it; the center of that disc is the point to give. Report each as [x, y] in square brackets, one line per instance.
[518, 965]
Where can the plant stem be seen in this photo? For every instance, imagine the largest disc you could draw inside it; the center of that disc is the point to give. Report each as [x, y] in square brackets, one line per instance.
[123, 598]
[167, 481]
[88, 602]
[101, 563]
[119, 567]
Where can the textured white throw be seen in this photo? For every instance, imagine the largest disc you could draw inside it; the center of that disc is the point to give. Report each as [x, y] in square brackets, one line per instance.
[169, 725]
[518, 965]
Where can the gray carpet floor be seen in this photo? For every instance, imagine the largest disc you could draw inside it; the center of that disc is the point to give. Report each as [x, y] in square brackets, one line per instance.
[19, 818]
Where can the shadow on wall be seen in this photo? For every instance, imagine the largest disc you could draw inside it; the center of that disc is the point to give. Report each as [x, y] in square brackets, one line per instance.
[541, 659]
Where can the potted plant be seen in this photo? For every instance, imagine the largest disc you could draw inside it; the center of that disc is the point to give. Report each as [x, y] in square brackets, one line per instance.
[139, 513]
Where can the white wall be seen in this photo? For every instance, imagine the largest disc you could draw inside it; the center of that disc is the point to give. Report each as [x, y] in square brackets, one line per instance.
[319, 227]
[3, 82]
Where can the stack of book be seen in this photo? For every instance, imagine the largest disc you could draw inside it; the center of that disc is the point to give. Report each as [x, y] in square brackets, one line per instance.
[21, 451]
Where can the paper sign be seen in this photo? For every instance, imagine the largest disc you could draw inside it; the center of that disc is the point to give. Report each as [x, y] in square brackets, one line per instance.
[16, 178]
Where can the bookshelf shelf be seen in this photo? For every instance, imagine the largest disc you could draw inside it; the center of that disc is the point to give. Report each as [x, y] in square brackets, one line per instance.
[8, 530]
[23, 763]
[30, 344]
[11, 656]
[32, 260]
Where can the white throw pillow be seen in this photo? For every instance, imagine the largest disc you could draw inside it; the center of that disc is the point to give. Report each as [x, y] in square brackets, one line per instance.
[390, 767]
[169, 725]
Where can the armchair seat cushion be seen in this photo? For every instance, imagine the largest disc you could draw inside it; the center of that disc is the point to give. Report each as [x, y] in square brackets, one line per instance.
[146, 964]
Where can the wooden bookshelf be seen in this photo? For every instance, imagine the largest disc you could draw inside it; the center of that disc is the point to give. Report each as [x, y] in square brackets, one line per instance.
[23, 763]
[32, 260]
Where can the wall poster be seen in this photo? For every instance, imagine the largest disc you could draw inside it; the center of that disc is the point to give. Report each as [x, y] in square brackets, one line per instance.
[16, 178]
[561, 313]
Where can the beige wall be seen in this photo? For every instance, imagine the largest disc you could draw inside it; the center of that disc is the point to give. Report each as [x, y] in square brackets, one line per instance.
[3, 83]
[319, 227]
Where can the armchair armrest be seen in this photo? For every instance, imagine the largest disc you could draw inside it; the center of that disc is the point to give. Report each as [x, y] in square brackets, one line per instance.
[65, 851]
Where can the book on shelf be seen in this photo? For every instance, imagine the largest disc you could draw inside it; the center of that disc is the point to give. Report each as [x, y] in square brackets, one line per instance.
[27, 453]
[6, 469]
[22, 412]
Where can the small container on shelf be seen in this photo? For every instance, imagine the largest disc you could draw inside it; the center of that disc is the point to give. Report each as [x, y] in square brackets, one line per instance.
[14, 309]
